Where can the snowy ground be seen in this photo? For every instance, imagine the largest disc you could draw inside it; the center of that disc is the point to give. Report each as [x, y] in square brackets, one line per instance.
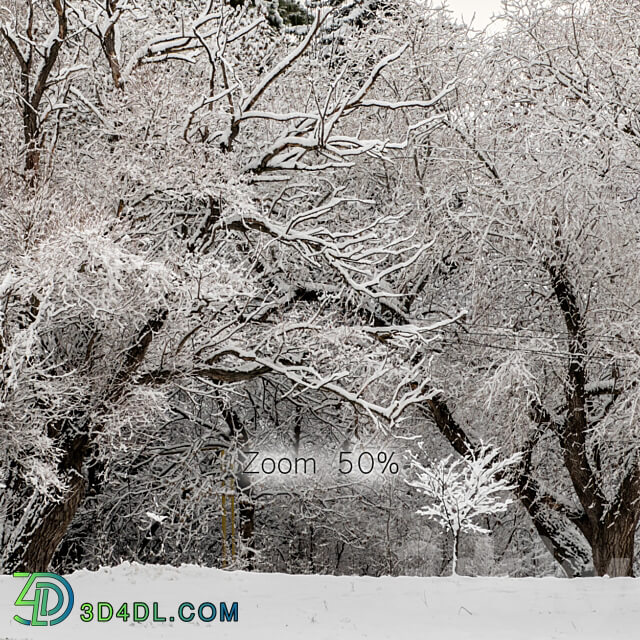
[337, 608]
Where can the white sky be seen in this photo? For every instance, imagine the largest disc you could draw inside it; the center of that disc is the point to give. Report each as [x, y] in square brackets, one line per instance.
[482, 8]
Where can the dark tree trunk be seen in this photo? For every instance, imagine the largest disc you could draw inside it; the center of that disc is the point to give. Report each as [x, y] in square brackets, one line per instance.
[32, 143]
[247, 515]
[613, 545]
[247, 510]
[109, 47]
[48, 531]
[44, 523]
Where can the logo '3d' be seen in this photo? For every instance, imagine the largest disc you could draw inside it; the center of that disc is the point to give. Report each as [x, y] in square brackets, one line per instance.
[49, 595]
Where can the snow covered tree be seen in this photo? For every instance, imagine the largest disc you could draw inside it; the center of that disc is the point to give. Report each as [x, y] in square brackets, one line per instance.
[183, 241]
[542, 150]
[461, 490]
[215, 233]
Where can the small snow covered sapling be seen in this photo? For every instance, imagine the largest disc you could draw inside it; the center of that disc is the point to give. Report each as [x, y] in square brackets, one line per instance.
[461, 490]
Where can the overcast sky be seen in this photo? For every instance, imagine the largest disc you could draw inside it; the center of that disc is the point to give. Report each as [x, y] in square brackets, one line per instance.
[482, 8]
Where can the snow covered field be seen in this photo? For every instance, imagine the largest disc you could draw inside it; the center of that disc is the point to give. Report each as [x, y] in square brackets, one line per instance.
[325, 607]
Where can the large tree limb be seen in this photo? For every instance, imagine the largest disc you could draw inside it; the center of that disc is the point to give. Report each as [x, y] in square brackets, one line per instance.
[573, 433]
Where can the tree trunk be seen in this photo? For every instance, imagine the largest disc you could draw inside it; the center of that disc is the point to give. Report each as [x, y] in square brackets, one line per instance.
[109, 46]
[247, 514]
[246, 506]
[32, 143]
[613, 546]
[456, 551]
[42, 528]
[51, 529]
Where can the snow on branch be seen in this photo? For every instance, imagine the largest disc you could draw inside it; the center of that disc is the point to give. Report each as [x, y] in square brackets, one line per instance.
[346, 253]
[315, 132]
[189, 43]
